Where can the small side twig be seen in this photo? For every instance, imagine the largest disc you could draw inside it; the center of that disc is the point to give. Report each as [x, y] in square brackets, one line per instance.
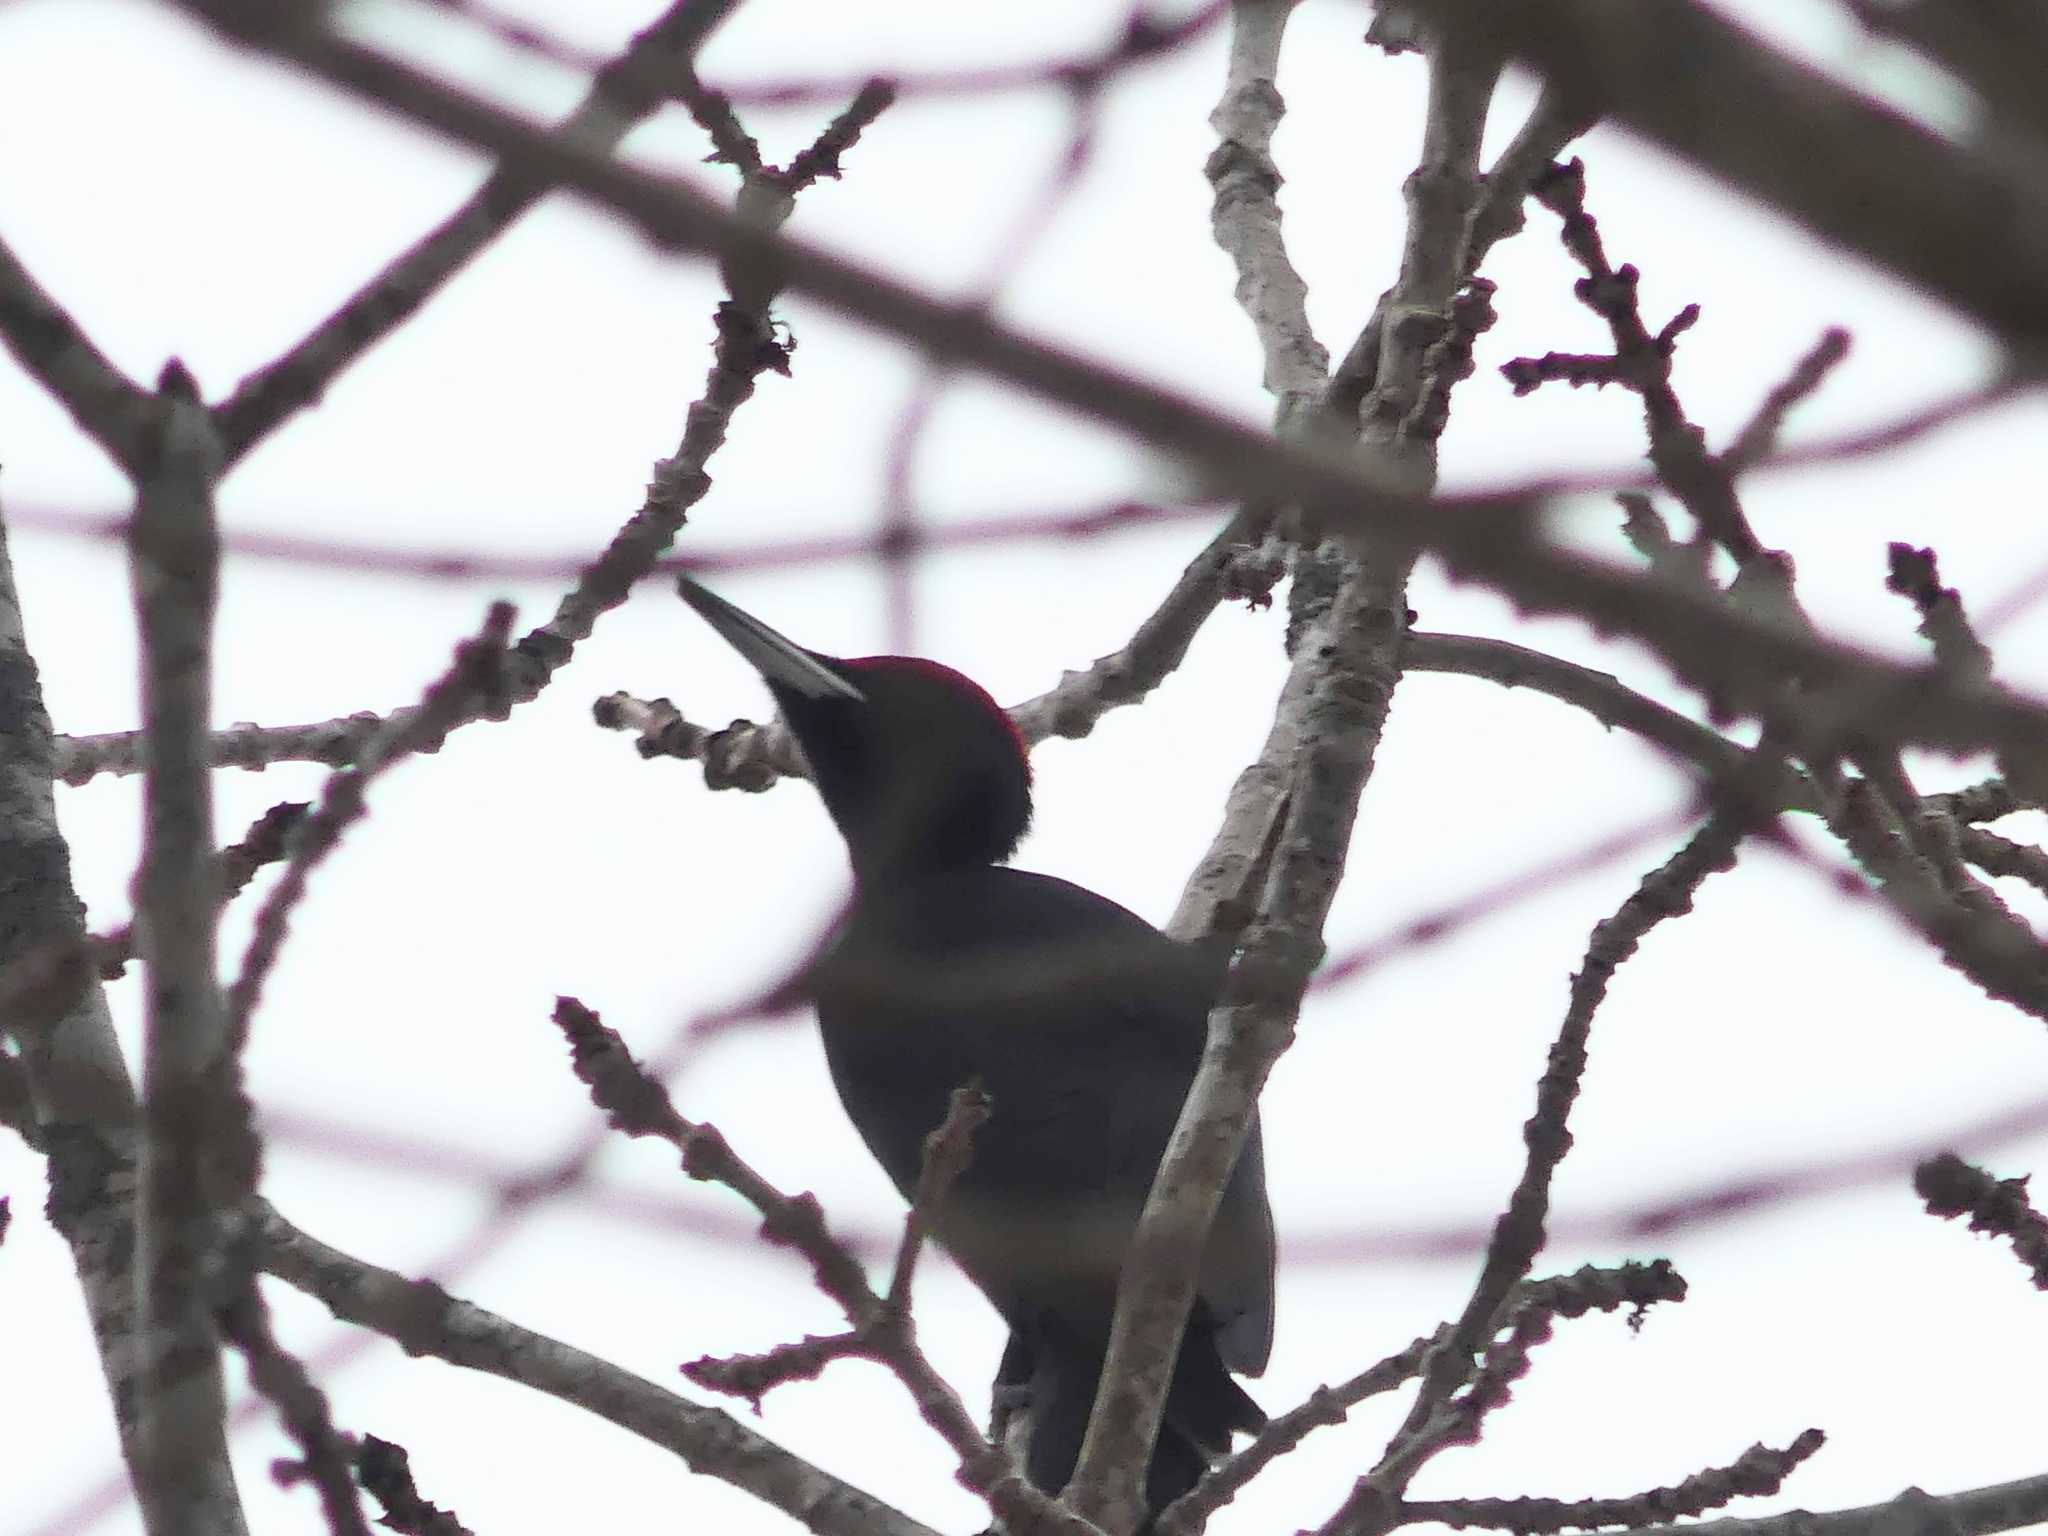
[265, 843]
[1951, 1187]
[1758, 439]
[1914, 575]
[947, 1151]
[282, 1378]
[474, 683]
[385, 1472]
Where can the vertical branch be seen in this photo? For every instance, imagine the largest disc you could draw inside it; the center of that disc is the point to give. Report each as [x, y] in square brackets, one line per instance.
[1309, 779]
[190, 1115]
[80, 1098]
[1245, 210]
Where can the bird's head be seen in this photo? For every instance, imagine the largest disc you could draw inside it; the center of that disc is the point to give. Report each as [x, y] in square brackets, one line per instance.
[920, 769]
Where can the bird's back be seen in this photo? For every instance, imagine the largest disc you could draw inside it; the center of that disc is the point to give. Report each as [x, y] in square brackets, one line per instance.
[1085, 1025]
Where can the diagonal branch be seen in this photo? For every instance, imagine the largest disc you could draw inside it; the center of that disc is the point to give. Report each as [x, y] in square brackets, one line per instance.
[1633, 1286]
[109, 407]
[1490, 540]
[1757, 1472]
[73, 1090]
[635, 1102]
[1945, 216]
[625, 94]
[425, 1320]
[1435, 1421]
[472, 685]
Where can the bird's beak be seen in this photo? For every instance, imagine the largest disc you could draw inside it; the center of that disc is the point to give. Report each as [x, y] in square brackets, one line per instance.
[782, 662]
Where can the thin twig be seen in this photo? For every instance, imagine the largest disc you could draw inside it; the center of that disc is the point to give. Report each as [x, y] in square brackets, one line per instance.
[1484, 540]
[1758, 439]
[1951, 1187]
[265, 843]
[947, 1152]
[1635, 1287]
[626, 92]
[385, 1471]
[1756, 1473]
[473, 684]
[1434, 1421]
[326, 1454]
[635, 1103]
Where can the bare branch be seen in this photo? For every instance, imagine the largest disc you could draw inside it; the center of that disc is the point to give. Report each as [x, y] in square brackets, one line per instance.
[1634, 1286]
[301, 1405]
[1997, 855]
[753, 757]
[626, 92]
[333, 742]
[1483, 539]
[197, 1137]
[263, 844]
[386, 1474]
[1435, 1421]
[1757, 1472]
[109, 407]
[425, 1320]
[1758, 440]
[1245, 210]
[1318, 755]
[1952, 1187]
[69, 1087]
[1973, 931]
[1978, 1512]
[1288, 824]
[947, 1153]
[1914, 575]
[1866, 179]
[474, 684]
[634, 1102]
[1599, 694]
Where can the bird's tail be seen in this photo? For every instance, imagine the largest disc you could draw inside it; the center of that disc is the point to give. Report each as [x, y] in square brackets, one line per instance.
[1050, 1384]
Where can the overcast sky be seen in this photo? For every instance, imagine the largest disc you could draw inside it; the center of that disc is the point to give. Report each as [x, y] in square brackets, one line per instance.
[181, 200]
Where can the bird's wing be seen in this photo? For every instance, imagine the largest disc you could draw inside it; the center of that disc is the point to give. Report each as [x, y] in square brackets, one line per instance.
[1237, 1267]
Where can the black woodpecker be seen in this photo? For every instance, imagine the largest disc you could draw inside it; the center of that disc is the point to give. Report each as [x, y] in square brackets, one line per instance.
[1083, 1022]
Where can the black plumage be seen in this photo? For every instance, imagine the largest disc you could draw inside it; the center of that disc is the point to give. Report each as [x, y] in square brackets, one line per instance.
[1083, 1022]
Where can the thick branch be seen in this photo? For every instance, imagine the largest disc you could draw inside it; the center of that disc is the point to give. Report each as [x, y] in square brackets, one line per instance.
[76, 1094]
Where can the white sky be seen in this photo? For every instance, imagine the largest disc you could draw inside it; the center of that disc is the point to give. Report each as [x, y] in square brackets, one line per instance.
[183, 201]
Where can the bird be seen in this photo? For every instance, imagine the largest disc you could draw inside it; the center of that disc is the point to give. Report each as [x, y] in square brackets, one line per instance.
[1082, 1022]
